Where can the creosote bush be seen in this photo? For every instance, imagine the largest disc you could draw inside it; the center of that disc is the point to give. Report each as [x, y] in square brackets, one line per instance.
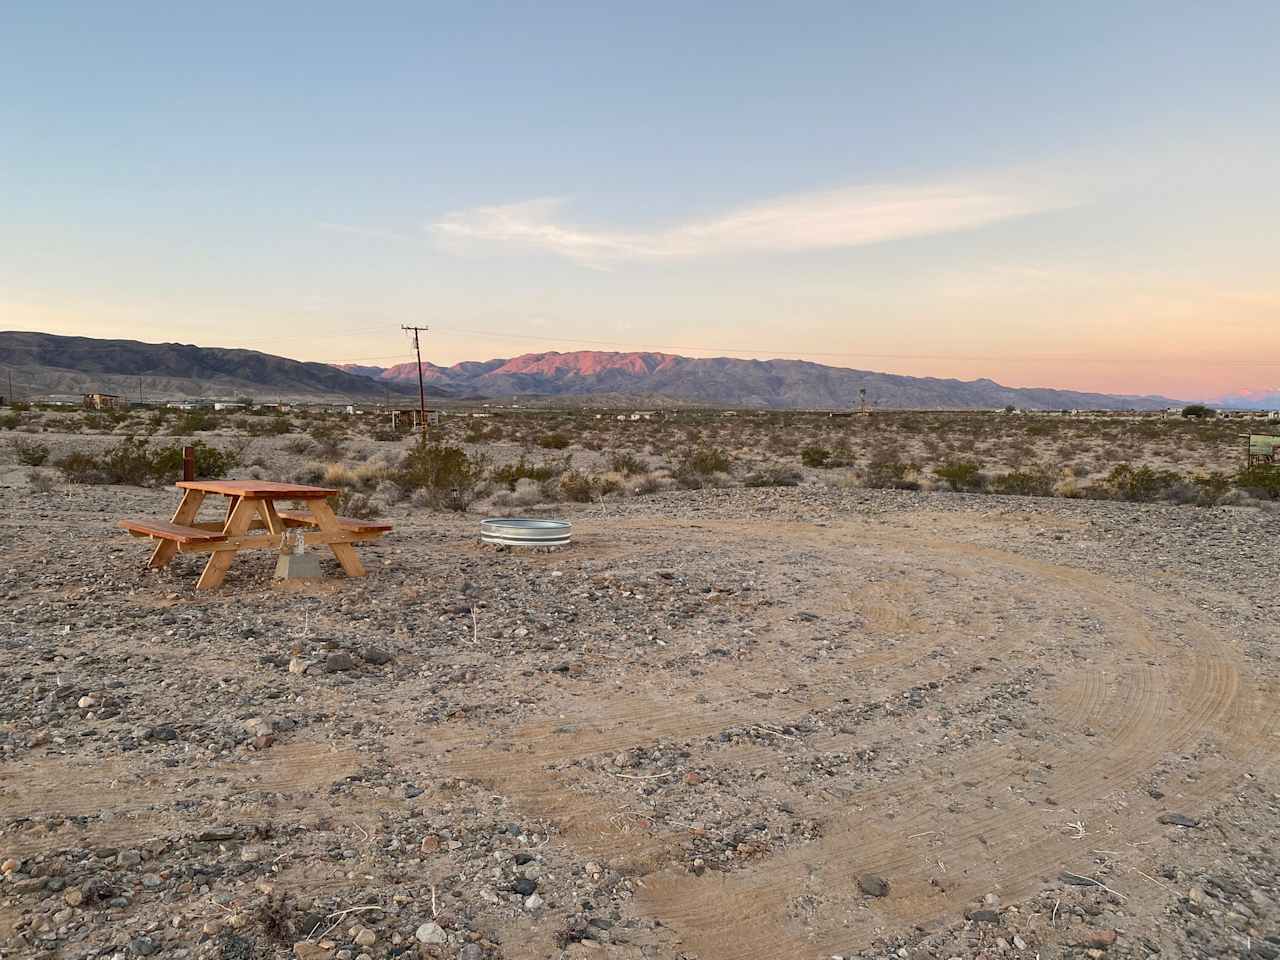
[134, 461]
[445, 476]
[962, 475]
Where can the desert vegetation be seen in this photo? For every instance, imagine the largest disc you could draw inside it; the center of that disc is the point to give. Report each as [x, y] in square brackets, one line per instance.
[501, 460]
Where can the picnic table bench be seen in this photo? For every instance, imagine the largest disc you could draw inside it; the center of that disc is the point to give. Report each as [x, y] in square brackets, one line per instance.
[252, 522]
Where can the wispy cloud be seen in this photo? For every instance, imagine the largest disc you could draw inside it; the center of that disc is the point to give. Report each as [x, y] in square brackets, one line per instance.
[847, 217]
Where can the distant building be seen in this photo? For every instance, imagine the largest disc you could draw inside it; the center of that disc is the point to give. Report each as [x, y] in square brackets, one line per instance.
[104, 401]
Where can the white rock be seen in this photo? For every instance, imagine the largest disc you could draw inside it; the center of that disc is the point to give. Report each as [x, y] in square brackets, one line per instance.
[431, 933]
[534, 902]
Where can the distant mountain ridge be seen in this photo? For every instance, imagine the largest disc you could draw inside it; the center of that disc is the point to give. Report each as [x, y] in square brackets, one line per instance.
[727, 381]
[43, 363]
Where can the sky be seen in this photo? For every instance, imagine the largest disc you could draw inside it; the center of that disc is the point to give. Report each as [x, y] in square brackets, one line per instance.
[1078, 195]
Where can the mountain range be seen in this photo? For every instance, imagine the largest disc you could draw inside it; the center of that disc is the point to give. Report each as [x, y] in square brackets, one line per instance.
[731, 382]
[42, 364]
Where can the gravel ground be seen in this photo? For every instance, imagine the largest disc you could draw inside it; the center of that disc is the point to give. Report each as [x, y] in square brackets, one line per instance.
[774, 723]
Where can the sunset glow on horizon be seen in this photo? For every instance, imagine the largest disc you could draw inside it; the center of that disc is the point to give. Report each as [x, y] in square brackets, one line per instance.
[1079, 198]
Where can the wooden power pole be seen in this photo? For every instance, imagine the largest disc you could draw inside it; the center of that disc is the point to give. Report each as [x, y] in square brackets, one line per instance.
[422, 391]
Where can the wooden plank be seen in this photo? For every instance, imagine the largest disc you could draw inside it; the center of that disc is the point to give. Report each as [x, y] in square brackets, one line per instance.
[267, 510]
[346, 523]
[164, 530]
[343, 550]
[312, 538]
[187, 510]
[269, 489]
[220, 562]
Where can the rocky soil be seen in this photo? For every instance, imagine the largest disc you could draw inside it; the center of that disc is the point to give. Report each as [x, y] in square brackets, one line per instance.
[773, 723]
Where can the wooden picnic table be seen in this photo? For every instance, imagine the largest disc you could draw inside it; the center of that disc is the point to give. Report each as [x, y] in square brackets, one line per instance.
[252, 522]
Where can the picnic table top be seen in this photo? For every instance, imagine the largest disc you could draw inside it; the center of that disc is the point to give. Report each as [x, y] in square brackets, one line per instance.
[266, 489]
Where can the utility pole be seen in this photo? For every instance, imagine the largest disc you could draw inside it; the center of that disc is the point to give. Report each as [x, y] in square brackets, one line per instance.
[422, 391]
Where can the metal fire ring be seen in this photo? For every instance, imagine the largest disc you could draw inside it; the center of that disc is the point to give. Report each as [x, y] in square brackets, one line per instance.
[525, 532]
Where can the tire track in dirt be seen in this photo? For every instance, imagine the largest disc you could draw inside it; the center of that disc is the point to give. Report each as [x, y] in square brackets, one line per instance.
[744, 915]
[140, 808]
[1139, 712]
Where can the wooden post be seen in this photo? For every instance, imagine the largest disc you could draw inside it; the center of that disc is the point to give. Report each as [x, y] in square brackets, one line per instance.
[188, 463]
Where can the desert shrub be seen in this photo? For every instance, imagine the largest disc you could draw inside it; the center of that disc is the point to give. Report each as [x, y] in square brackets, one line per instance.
[133, 461]
[626, 463]
[1260, 481]
[647, 483]
[815, 456]
[193, 421]
[446, 475]
[273, 426]
[328, 438]
[578, 487]
[773, 476]
[510, 474]
[298, 445]
[888, 473]
[704, 461]
[30, 452]
[962, 475]
[10, 421]
[41, 481]
[1212, 486]
[1024, 483]
[348, 503]
[1141, 484]
[553, 441]
[1198, 411]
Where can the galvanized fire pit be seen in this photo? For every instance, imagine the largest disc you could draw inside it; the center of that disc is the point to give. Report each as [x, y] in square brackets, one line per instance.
[525, 532]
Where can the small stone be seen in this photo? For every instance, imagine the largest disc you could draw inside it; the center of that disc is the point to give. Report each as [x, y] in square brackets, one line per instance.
[217, 834]
[472, 951]
[1098, 939]
[87, 703]
[431, 933]
[143, 946]
[259, 727]
[1019, 942]
[164, 733]
[10, 865]
[693, 778]
[263, 741]
[365, 937]
[375, 655]
[151, 881]
[524, 886]
[338, 661]
[430, 844]
[1177, 820]
[73, 896]
[298, 665]
[534, 902]
[128, 858]
[873, 885]
[307, 950]
[983, 916]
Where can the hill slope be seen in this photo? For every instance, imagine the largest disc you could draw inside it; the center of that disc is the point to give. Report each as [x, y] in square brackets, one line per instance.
[725, 381]
[43, 363]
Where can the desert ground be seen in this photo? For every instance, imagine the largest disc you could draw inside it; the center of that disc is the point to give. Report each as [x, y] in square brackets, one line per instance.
[810, 720]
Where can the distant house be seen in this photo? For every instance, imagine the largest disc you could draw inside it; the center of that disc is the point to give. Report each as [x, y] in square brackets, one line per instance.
[104, 401]
[227, 405]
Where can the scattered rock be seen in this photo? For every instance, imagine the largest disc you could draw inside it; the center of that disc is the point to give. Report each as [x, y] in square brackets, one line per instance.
[431, 933]
[873, 885]
[338, 661]
[1177, 820]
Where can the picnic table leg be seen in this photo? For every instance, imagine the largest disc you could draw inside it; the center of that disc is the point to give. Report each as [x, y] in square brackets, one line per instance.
[344, 551]
[238, 521]
[166, 550]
